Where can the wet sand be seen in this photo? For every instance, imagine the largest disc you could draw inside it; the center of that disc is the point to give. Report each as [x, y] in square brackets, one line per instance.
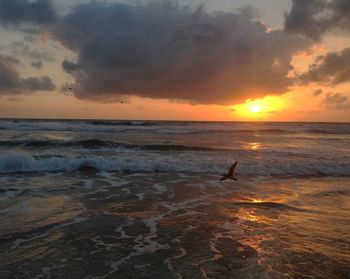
[105, 225]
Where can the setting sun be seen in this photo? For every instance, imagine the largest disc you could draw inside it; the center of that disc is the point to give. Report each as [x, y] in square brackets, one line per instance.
[255, 108]
[259, 108]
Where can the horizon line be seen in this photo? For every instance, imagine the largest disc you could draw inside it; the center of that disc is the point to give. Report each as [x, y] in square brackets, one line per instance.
[167, 120]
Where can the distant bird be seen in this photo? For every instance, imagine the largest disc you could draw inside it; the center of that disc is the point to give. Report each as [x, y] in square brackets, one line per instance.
[231, 173]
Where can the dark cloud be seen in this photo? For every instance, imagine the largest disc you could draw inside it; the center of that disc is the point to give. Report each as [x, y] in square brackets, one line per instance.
[30, 30]
[37, 84]
[10, 59]
[307, 111]
[13, 99]
[313, 18]
[37, 65]
[66, 88]
[9, 80]
[69, 67]
[23, 49]
[332, 68]
[318, 93]
[21, 11]
[336, 101]
[162, 50]
[11, 83]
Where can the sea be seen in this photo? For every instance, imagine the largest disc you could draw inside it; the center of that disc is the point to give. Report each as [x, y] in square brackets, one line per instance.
[143, 199]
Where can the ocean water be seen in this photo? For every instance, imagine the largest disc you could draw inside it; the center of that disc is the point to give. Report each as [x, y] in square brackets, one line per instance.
[142, 199]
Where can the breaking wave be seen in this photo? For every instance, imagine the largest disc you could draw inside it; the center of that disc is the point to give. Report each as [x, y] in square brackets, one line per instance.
[153, 163]
[96, 144]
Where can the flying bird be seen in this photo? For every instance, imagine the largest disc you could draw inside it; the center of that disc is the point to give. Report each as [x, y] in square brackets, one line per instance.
[231, 173]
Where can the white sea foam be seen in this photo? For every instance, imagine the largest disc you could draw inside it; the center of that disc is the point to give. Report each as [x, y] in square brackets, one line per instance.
[134, 162]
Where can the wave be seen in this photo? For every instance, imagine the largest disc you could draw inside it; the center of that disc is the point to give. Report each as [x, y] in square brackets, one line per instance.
[9, 193]
[336, 192]
[93, 143]
[269, 205]
[167, 129]
[96, 144]
[153, 128]
[229, 130]
[75, 125]
[264, 131]
[144, 162]
[120, 123]
[329, 131]
[130, 126]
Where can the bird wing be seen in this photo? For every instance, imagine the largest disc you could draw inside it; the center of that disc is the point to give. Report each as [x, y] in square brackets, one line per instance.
[232, 169]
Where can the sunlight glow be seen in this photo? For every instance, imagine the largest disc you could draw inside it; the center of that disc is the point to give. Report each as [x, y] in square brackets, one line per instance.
[259, 108]
[254, 145]
[255, 108]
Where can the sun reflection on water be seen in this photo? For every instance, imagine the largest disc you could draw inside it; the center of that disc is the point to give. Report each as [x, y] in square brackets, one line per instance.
[245, 214]
[254, 146]
[256, 229]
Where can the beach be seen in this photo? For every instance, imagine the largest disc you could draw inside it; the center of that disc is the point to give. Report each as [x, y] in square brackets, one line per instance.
[142, 199]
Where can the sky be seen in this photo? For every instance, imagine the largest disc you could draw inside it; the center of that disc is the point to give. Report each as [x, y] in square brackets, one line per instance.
[223, 60]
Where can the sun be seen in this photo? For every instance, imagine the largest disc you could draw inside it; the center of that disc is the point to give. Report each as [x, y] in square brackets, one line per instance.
[255, 108]
[259, 108]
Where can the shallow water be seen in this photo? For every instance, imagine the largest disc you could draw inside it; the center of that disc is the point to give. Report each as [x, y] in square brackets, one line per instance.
[105, 225]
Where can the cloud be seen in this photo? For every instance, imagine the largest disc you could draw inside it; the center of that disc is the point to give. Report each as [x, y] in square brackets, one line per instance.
[20, 48]
[332, 68]
[317, 93]
[37, 84]
[9, 80]
[37, 65]
[69, 67]
[15, 12]
[10, 59]
[12, 84]
[336, 101]
[66, 88]
[162, 50]
[313, 18]
[307, 111]
[13, 99]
